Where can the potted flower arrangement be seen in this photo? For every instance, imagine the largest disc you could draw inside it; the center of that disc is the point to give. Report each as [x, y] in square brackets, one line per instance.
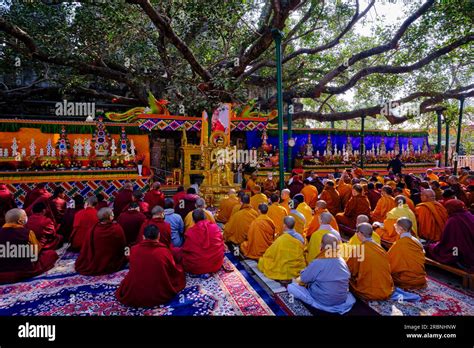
[139, 159]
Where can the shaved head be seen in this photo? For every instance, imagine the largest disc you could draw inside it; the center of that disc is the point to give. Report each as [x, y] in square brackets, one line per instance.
[289, 222]
[326, 218]
[365, 229]
[14, 215]
[200, 203]
[104, 214]
[321, 204]
[428, 195]
[285, 193]
[405, 223]
[158, 210]
[362, 219]
[329, 242]
[400, 200]
[231, 192]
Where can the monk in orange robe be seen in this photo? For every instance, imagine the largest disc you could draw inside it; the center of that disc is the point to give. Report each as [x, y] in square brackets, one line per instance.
[331, 197]
[407, 258]
[431, 216]
[258, 197]
[251, 182]
[310, 193]
[357, 205]
[384, 205]
[84, 220]
[344, 188]
[303, 208]
[269, 186]
[371, 278]
[285, 200]
[200, 204]
[432, 176]
[277, 213]
[260, 236]
[314, 223]
[104, 249]
[236, 229]
[398, 191]
[225, 207]
[387, 232]
[154, 278]
[44, 228]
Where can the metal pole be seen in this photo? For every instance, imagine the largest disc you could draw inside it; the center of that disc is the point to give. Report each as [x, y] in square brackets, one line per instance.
[290, 135]
[362, 142]
[277, 36]
[332, 124]
[438, 146]
[458, 139]
[446, 147]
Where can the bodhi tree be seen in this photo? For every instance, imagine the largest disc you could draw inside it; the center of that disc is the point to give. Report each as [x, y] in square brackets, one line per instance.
[198, 53]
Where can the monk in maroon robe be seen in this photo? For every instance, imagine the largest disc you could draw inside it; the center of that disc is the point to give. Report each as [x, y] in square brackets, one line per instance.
[58, 204]
[144, 207]
[458, 235]
[179, 195]
[158, 219]
[104, 249]
[33, 261]
[373, 195]
[83, 223]
[7, 202]
[38, 192]
[101, 202]
[154, 278]
[131, 221]
[76, 205]
[44, 228]
[123, 198]
[155, 196]
[203, 248]
[187, 204]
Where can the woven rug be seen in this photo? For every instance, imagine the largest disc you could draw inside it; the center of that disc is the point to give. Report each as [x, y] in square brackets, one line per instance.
[63, 292]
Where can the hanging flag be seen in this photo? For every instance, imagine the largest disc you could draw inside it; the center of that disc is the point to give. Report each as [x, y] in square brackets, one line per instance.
[205, 129]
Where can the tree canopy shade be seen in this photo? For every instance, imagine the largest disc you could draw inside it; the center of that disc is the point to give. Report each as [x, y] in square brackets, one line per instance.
[198, 53]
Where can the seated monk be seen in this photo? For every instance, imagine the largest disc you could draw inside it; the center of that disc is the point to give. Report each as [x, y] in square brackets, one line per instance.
[39, 191]
[187, 203]
[277, 213]
[104, 249]
[384, 205]
[131, 221]
[154, 278]
[251, 182]
[257, 198]
[310, 193]
[355, 239]
[300, 220]
[123, 198]
[284, 259]
[237, 207]
[225, 207]
[371, 278]
[436, 187]
[101, 202]
[285, 200]
[303, 208]
[75, 206]
[44, 228]
[315, 221]
[431, 216]
[83, 223]
[157, 219]
[432, 176]
[399, 192]
[314, 245]
[269, 186]
[357, 205]
[324, 284]
[387, 230]
[155, 196]
[35, 261]
[260, 236]
[373, 195]
[200, 204]
[458, 235]
[295, 185]
[236, 229]
[176, 223]
[407, 258]
[344, 188]
[178, 196]
[143, 206]
[203, 248]
[331, 197]
[7, 202]
[58, 204]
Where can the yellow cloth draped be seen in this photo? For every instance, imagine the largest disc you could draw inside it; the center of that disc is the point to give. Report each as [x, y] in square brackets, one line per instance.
[284, 259]
[226, 206]
[310, 193]
[431, 217]
[300, 222]
[313, 225]
[433, 177]
[370, 275]
[407, 263]
[286, 204]
[250, 184]
[384, 205]
[260, 236]
[189, 222]
[356, 241]
[235, 209]
[257, 199]
[236, 229]
[388, 232]
[314, 245]
[332, 199]
[307, 212]
[277, 213]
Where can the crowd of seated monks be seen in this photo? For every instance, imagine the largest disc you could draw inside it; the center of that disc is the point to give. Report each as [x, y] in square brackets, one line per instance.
[330, 239]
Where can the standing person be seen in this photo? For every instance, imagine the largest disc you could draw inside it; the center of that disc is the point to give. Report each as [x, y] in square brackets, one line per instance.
[396, 165]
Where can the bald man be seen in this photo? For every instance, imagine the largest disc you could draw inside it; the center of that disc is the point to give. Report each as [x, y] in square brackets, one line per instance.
[277, 213]
[384, 204]
[314, 245]
[355, 239]
[157, 219]
[321, 207]
[284, 259]
[357, 205]
[84, 220]
[33, 261]
[260, 236]
[285, 200]
[155, 196]
[371, 278]
[407, 258]
[258, 197]
[103, 251]
[225, 207]
[200, 204]
[236, 229]
[431, 216]
[324, 284]
[310, 193]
